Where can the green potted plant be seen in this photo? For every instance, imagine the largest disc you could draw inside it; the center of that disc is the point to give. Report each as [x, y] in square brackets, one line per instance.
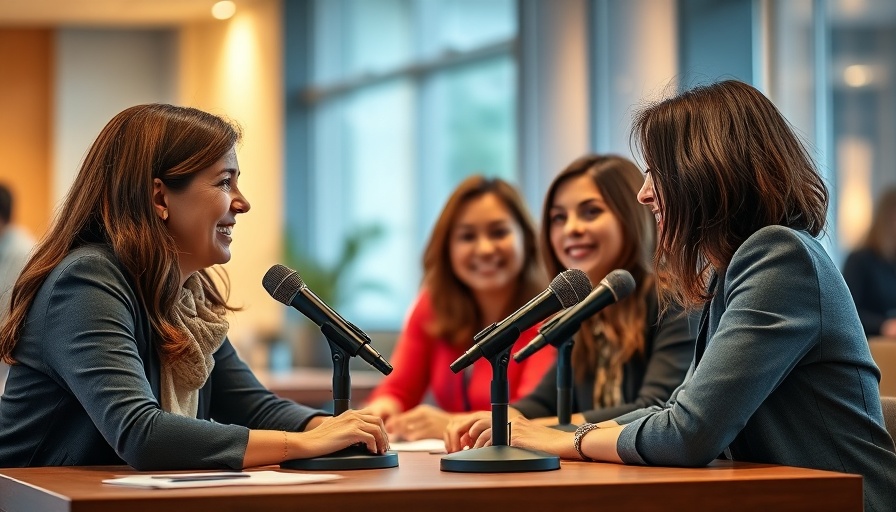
[309, 347]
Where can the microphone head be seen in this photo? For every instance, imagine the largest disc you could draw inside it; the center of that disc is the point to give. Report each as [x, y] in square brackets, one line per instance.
[282, 283]
[620, 282]
[571, 286]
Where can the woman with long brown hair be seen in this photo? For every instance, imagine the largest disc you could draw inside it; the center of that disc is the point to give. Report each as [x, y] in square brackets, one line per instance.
[631, 354]
[480, 264]
[117, 331]
[782, 373]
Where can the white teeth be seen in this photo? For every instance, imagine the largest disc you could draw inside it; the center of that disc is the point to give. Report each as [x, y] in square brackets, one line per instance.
[579, 251]
[225, 230]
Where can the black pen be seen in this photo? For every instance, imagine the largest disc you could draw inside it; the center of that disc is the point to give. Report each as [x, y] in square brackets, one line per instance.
[201, 478]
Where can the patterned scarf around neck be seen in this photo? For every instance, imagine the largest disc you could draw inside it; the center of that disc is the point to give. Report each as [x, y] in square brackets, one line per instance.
[204, 326]
[608, 371]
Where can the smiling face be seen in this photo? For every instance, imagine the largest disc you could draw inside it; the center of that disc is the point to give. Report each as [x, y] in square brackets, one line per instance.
[486, 245]
[585, 234]
[201, 217]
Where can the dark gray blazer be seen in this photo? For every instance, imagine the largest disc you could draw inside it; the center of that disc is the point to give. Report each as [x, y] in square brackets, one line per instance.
[782, 374]
[86, 387]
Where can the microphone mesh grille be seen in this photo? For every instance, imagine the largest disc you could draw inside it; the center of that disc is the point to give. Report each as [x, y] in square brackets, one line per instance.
[620, 282]
[571, 286]
[282, 283]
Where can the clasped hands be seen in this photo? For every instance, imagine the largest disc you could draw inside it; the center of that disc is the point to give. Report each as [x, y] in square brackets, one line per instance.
[421, 422]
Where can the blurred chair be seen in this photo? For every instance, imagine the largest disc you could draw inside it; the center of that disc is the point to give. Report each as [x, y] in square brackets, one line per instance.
[888, 403]
[883, 350]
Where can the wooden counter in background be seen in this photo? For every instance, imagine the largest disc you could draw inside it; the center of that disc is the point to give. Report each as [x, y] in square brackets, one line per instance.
[883, 350]
[314, 386]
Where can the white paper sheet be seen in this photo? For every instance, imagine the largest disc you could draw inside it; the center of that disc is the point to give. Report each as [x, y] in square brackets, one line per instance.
[218, 479]
[423, 445]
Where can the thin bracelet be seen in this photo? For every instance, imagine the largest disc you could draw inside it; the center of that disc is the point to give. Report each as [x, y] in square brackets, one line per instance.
[285, 446]
[577, 441]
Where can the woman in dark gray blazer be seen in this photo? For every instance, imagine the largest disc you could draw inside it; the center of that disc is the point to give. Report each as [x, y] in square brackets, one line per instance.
[117, 332]
[782, 373]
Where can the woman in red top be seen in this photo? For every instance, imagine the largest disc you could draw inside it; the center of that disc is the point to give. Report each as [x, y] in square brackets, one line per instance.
[480, 265]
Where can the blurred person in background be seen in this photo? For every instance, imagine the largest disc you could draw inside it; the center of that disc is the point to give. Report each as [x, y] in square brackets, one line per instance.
[15, 245]
[480, 264]
[630, 354]
[870, 271]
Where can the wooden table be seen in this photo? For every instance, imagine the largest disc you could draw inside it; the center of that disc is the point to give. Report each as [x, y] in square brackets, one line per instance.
[417, 484]
[314, 386]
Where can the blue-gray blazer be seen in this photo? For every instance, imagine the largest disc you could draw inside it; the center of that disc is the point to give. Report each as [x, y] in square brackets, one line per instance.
[782, 374]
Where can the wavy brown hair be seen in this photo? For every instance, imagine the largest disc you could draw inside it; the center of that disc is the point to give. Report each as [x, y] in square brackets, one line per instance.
[880, 234]
[725, 163]
[457, 318]
[618, 180]
[110, 203]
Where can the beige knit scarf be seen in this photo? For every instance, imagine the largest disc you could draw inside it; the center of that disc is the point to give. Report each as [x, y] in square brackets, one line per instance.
[205, 327]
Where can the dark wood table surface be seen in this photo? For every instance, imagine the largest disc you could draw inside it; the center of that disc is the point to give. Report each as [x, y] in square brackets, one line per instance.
[418, 484]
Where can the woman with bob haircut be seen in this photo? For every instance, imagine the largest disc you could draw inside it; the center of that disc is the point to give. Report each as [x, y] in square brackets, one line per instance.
[118, 333]
[782, 373]
[480, 265]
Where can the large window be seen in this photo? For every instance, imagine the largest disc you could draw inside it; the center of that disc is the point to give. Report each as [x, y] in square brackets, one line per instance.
[832, 75]
[402, 99]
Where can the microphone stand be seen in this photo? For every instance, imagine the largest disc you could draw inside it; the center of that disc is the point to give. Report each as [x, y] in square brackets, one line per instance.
[564, 387]
[353, 457]
[500, 457]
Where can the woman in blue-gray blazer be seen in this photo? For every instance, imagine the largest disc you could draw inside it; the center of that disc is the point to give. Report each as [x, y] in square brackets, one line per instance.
[782, 372]
[117, 331]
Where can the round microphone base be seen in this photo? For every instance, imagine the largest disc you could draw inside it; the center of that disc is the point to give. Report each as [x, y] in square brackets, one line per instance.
[352, 457]
[499, 459]
[566, 427]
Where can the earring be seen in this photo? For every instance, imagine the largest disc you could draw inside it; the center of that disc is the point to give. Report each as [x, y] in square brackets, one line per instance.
[165, 214]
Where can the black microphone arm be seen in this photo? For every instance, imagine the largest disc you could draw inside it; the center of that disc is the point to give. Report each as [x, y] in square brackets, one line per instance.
[285, 285]
[568, 288]
[618, 285]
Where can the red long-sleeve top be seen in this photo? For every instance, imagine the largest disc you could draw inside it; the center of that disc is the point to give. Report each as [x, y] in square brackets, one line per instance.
[422, 362]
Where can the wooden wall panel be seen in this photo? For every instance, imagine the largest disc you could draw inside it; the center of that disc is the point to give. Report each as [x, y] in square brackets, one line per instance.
[26, 76]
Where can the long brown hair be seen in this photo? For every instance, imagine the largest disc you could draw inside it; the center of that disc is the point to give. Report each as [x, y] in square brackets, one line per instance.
[110, 202]
[457, 317]
[618, 180]
[880, 234]
[725, 163]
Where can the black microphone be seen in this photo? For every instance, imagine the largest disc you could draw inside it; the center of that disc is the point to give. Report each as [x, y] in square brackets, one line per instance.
[568, 288]
[618, 285]
[287, 287]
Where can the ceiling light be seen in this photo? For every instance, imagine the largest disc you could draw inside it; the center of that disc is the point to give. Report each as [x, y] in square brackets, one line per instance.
[223, 10]
[857, 75]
